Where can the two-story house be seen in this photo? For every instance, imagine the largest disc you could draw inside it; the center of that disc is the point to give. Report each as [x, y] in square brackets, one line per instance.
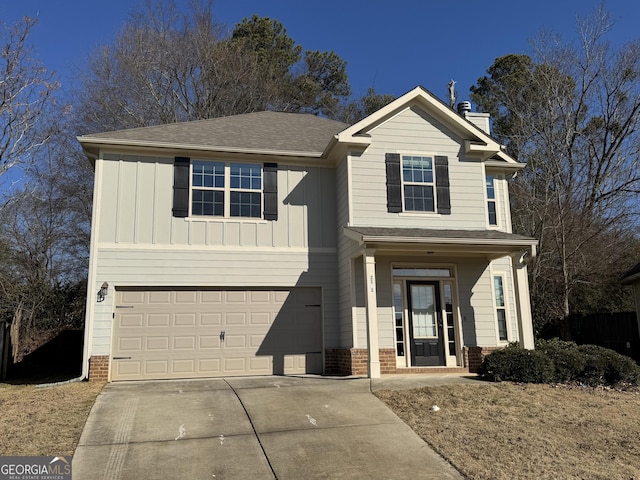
[281, 243]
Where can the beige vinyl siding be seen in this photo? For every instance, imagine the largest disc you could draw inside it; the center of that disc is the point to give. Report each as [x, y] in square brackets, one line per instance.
[477, 307]
[347, 248]
[502, 202]
[136, 209]
[503, 266]
[384, 290]
[413, 131]
[241, 268]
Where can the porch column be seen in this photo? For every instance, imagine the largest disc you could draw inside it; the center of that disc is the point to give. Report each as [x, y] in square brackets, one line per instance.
[523, 301]
[372, 312]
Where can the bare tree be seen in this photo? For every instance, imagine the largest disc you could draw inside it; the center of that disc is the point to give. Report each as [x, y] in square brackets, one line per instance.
[26, 96]
[572, 112]
[166, 66]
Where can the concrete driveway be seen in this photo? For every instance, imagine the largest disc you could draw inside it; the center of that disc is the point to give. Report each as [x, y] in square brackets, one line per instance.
[250, 428]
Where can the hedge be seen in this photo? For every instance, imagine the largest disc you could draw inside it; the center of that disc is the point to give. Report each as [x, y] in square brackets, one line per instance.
[556, 361]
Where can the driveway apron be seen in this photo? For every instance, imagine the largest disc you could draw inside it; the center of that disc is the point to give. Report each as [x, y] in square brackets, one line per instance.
[287, 428]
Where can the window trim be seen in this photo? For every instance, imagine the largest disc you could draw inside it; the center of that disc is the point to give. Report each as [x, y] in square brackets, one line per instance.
[433, 184]
[227, 190]
[497, 192]
[496, 307]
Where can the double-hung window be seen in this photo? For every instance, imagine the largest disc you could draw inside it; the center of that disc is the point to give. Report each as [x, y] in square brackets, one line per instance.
[501, 308]
[491, 200]
[226, 189]
[418, 183]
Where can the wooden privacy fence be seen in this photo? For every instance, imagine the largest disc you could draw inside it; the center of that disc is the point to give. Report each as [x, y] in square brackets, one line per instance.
[617, 331]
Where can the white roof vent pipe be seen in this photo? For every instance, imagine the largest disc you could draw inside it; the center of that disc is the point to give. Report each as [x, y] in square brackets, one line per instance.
[464, 107]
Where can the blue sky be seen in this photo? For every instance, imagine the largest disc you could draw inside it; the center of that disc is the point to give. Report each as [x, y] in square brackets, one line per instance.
[390, 45]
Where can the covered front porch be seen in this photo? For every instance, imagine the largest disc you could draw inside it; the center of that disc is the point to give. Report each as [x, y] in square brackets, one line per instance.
[424, 299]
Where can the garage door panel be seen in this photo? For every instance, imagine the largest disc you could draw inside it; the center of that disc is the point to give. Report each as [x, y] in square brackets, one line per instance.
[157, 343]
[209, 366]
[190, 298]
[260, 365]
[208, 342]
[181, 319]
[211, 296]
[183, 366]
[184, 343]
[132, 320]
[130, 344]
[260, 297]
[157, 297]
[156, 367]
[211, 319]
[235, 341]
[133, 297]
[260, 318]
[177, 334]
[237, 297]
[128, 369]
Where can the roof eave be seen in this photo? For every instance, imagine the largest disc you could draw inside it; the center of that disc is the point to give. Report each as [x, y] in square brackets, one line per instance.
[90, 143]
[509, 242]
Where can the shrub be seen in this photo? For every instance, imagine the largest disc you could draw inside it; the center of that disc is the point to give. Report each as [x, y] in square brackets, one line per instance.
[515, 364]
[605, 366]
[560, 362]
[567, 359]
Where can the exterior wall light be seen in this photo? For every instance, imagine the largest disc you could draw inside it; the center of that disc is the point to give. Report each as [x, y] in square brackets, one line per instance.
[102, 293]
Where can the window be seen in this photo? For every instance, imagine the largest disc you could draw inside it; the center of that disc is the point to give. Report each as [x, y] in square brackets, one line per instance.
[207, 181]
[501, 310]
[226, 190]
[418, 184]
[491, 200]
[422, 272]
[246, 190]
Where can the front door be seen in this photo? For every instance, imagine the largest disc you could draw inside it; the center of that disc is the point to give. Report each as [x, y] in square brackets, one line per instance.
[425, 324]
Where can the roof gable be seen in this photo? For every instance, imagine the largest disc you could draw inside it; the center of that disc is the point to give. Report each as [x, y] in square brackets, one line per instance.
[477, 142]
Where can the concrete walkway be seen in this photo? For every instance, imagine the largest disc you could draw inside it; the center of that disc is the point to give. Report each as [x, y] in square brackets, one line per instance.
[287, 428]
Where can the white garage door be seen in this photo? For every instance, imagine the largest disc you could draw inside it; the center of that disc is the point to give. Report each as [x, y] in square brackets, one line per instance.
[160, 334]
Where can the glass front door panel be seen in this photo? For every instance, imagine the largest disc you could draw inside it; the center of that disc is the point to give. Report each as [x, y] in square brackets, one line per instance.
[423, 311]
[399, 322]
[448, 308]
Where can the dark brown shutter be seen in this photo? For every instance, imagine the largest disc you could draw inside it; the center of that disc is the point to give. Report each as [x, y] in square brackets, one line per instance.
[270, 191]
[181, 187]
[394, 183]
[442, 185]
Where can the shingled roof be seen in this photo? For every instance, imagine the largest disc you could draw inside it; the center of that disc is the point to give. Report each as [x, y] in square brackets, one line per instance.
[269, 132]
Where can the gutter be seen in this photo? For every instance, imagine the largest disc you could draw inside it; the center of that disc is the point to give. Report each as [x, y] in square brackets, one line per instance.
[88, 140]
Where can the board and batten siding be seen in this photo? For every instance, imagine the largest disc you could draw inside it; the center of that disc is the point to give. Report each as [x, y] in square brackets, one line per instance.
[413, 131]
[136, 208]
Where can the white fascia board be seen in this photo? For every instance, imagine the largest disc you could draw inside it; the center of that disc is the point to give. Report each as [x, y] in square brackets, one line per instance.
[93, 141]
[362, 239]
[505, 165]
[449, 241]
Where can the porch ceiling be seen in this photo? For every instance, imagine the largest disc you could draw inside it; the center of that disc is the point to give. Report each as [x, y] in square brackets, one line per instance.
[489, 243]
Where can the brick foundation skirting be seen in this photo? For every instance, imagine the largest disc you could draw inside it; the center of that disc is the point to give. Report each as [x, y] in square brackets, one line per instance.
[473, 357]
[99, 368]
[354, 361]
